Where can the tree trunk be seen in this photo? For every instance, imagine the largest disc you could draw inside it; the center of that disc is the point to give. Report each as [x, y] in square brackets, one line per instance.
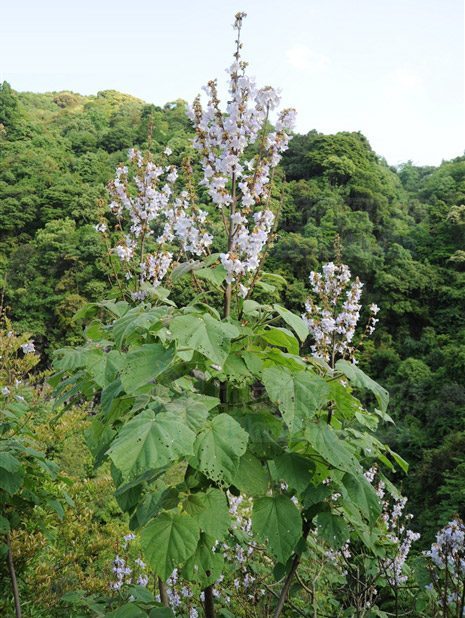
[209, 603]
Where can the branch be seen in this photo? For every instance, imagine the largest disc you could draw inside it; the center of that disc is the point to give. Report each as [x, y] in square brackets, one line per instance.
[290, 576]
[14, 582]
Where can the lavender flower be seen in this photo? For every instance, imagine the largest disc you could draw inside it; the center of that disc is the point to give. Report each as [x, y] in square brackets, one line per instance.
[28, 348]
[334, 312]
[144, 199]
[233, 181]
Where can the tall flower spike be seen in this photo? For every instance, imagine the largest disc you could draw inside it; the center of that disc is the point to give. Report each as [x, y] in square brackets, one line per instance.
[236, 181]
[397, 533]
[151, 213]
[333, 313]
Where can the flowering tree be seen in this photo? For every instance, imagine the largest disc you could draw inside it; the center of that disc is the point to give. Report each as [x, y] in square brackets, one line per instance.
[200, 405]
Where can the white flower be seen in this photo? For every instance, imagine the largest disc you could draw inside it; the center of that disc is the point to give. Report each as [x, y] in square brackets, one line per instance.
[222, 139]
[28, 348]
[243, 291]
[333, 316]
[147, 199]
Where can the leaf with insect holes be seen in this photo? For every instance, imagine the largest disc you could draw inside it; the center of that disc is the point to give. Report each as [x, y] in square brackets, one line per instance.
[218, 448]
[150, 441]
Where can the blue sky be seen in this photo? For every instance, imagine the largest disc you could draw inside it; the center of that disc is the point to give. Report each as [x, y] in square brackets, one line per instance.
[393, 69]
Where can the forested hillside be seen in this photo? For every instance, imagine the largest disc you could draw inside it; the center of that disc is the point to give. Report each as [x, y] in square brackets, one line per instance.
[402, 232]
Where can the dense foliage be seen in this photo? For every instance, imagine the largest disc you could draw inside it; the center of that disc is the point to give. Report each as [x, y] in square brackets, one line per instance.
[402, 231]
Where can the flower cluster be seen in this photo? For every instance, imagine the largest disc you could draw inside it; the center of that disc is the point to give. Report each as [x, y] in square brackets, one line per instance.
[28, 347]
[333, 317]
[180, 596]
[153, 220]
[446, 560]
[183, 599]
[126, 572]
[18, 357]
[398, 534]
[240, 550]
[233, 178]
[449, 549]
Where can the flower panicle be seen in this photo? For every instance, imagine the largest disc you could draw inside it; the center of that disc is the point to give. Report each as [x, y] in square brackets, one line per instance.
[151, 211]
[233, 180]
[333, 313]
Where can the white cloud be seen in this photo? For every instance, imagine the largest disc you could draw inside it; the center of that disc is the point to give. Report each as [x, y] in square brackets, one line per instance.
[302, 58]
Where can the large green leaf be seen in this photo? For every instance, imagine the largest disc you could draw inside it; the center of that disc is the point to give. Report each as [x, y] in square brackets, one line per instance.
[210, 511]
[251, 477]
[11, 473]
[298, 394]
[68, 359]
[219, 447]
[294, 321]
[214, 275]
[359, 379]
[315, 494]
[277, 521]
[331, 448]
[363, 495]
[204, 334]
[95, 363]
[143, 365]
[152, 504]
[168, 541]
[161, 612]
[116, 308]
[332, 528]
[128, 610]
[4, 525]
[135, 321]
[110, 394]
[150, 441]
[204, 566]
[264, 429]
[295, 470]
[400, 461]
[282, 338]
[345, 404]
[193, 408]
[98, 437]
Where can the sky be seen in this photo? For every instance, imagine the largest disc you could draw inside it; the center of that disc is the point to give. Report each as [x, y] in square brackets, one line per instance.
[392, 69]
